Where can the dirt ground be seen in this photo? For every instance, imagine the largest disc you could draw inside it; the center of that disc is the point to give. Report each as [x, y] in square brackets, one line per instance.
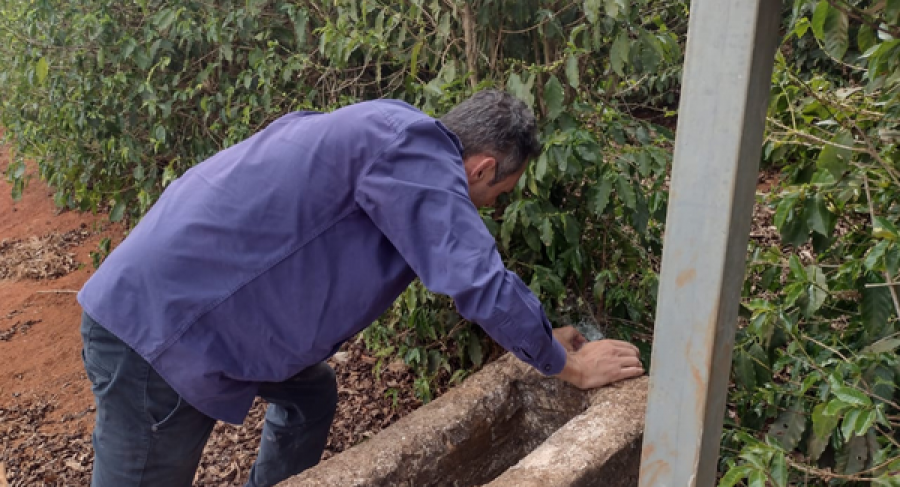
[46, 406]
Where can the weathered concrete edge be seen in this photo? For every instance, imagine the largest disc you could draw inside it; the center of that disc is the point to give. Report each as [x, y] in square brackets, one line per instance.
[578, 453]
[412, 441]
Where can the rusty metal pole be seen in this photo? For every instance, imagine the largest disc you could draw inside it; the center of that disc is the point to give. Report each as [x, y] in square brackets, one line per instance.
[725, 92]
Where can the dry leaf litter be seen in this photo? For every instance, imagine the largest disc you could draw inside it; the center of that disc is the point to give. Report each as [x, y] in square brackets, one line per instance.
[37, 451]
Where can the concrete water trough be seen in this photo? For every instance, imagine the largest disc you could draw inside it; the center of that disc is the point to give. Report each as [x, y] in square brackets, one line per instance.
[505, 426]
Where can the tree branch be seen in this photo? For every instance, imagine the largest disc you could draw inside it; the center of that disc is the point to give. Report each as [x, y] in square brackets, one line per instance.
[852, 12]
[468, 23]
[535, 26]
[887, 274]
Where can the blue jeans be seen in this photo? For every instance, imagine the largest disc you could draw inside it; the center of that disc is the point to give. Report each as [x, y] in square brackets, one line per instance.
[145, 434]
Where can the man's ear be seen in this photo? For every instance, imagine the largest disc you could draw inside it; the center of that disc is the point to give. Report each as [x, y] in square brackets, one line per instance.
[480, 167]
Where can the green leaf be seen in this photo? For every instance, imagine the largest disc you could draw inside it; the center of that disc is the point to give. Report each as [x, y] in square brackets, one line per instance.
[884, 383]
[444, 25]
[788, 429]
[784, 209]
[414, 61]
[835, 407]
[413, 355]
[762, 326]
[760, 363]
[532, 186]
[572, 71]
[165, 18]
[301, 22]
[745, 370]
[797, 270]
[533, 241]
[612, 8]
[592, 10]
[831, 27]
[892, 12]
[884, 228]
[802, 26]
[600, 196]
[520, 89]
[649, 51]
[885, 345]
[554, 96]
[411, 299]
[817, 292]
[836, 159]
[852, 457]
[572, 230]
[546, 232]
[875, 255]
[823, 422]
[540, 169]
[757, 479]
[864, 422]
[779, 470]
[818, 218]
[889, 479]
[588, 153]
[865, 38]
[599, 287]
[41, 69]
[823, 426]
[848, 425]
[434, 361]
[626, 193]
[892, 259]
[118, 211]
[794, 231]
[734, 475]
[475, 353]
[876, 307]
[19, 169]
[660, 159]
[128, 48]
[510, 215]
[820, 243]
[851, 396]
[644, 161]
[618, 54]
[562, 156]
[793, 292]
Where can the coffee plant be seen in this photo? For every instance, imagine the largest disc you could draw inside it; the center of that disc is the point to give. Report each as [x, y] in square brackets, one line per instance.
[113, 101]
[816, 371]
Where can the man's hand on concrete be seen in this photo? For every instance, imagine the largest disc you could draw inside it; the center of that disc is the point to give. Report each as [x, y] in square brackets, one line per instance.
[595, 364]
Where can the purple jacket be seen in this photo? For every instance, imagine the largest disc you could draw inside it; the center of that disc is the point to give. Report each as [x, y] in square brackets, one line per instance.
[263, 259]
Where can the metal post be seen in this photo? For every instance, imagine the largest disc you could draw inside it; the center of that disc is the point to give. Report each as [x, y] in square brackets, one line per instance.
[725, 91]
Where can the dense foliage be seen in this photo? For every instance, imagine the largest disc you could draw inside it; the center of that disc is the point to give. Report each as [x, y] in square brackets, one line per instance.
[115, 100]
[816, 366]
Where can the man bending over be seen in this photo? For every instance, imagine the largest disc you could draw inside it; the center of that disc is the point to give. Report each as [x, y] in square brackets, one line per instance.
[257, 264]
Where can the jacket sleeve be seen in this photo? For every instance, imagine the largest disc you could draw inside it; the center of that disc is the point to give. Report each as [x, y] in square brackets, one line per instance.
[416, 192]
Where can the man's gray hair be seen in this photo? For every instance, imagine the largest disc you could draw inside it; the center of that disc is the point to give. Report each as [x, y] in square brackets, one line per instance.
[497, 124]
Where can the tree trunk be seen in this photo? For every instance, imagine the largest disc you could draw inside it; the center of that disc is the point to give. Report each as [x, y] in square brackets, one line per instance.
[471, 38]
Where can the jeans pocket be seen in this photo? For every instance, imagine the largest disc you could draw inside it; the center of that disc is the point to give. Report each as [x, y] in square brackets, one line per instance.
[99, 378]
[161, 402]
[155, 427]
[102, 353]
